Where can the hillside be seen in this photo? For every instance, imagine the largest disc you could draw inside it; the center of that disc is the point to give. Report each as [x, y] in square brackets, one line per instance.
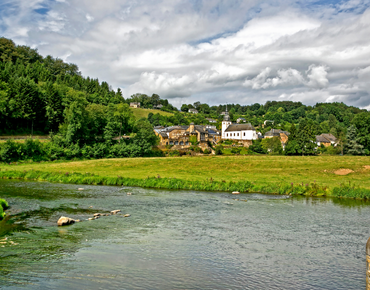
[143, 113]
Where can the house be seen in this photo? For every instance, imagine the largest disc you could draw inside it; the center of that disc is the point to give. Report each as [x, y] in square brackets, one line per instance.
[158, 107]
[283, 135]
[181, 136]
[267, 121]
[194, 111]
[223, 113]
[211, 120]
[326, 140]
[241, 120]
[135, 105]
[243, 133]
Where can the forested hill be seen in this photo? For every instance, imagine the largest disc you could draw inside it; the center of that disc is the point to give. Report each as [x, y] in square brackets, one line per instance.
[37, 91]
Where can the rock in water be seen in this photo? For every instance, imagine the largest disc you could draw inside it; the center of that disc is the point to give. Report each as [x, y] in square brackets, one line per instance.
[65, 221]
[115, 211]
[235, 192]
[81, 188]
[127, 215]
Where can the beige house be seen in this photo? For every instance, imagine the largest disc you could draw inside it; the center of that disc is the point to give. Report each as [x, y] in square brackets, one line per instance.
[135, 105]
[326, 140]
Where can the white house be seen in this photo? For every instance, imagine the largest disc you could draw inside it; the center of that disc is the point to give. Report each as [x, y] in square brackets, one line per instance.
[244, 133]
[194, 111]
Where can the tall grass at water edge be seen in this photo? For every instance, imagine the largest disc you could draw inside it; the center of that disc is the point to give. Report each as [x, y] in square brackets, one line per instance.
[351, 191]
[3, 206]
[245, 186]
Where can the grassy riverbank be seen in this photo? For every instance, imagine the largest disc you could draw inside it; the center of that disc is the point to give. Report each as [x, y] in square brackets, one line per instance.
[317, 175]
[3, 206]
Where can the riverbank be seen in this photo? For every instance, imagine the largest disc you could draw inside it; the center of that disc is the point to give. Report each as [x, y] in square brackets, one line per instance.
[342, 176]
[3, 206]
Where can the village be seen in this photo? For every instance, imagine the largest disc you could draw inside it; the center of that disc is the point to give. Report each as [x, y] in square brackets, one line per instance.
[240, 133]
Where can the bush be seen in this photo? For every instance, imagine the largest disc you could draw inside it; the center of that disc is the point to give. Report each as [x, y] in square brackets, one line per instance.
[3, 206]
[196, 149]
[174, 153]
[218, 150]
[236, 150]
[207, 151]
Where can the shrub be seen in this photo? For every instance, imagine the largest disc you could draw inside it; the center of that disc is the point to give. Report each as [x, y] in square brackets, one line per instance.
[218, 150]
[3, 206]
[207, 151]
[196, 149]
[173, 153]
[236, 150]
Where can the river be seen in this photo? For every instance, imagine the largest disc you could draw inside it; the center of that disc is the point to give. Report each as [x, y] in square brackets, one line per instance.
[179, 240]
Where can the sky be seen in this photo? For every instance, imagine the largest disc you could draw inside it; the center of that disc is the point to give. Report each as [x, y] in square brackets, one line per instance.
[212, 51]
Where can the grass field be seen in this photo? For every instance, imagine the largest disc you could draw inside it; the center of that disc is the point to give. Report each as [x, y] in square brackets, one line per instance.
[143, 113]
[260, 170]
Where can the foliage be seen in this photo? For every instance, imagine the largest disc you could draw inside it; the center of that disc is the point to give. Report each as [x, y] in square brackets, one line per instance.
[236, 150]
[207, 151]
[3, 206]
[272, 145]
[257, 147]
[219, 150]
[353, 145]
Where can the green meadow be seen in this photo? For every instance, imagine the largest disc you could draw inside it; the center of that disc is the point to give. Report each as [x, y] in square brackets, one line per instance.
[311, 175]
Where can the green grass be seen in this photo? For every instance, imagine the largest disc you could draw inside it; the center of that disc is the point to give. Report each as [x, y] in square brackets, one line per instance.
[143, 113]
[312, 175]
[3, 206]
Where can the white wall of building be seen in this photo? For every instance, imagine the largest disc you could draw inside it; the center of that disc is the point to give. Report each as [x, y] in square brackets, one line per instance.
[241, 135]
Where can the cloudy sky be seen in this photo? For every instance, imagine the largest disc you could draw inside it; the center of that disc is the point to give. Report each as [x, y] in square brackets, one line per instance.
[212, 51]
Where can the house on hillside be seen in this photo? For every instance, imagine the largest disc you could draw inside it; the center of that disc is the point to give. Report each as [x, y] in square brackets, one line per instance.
[158, 107]
[326, 140]
[243, 133]
[241, 120]
[211, 120]
[181, 136]
[194, 111]
[283, 135]
[135, 105]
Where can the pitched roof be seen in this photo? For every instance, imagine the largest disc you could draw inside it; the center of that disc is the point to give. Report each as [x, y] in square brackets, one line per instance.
[240, 127]
[322, 139]
[276, 132]
[329, 136]
[326, 138]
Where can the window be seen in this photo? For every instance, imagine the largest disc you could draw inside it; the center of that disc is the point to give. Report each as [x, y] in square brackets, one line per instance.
[171, 142]
[187, 143]
[238, 134]
[244, 134]
[176, 142]
[181, 143]
[227, 134]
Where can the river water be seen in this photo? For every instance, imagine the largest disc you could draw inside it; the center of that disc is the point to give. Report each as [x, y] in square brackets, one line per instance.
[179, 240]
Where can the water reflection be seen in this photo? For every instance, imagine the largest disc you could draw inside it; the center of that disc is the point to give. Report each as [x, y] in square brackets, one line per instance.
[179, 240]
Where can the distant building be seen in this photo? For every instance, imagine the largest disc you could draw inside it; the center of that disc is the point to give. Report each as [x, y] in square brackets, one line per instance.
[326, 140]
[241, 120]
[158, 107]
[243, 133]
[211, 120]
[180, 136]
[283, 135]
[135, 105]
[194, 111]
[223, 113]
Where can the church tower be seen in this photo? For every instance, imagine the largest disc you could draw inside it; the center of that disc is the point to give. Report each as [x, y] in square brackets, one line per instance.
[225, 123]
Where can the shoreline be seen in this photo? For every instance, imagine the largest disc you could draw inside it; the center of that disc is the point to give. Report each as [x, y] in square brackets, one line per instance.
[313, 189]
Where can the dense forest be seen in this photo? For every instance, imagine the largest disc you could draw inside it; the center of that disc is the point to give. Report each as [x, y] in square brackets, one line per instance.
[86, 118]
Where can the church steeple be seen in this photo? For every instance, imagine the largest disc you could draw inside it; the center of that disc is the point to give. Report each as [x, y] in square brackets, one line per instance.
[226, 116]
[226, 122]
